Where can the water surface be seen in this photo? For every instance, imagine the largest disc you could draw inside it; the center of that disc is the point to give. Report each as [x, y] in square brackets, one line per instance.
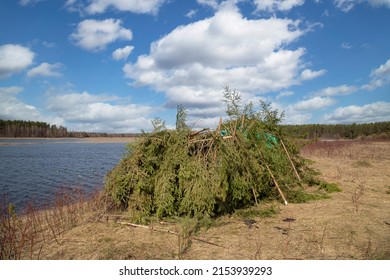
[35, 169]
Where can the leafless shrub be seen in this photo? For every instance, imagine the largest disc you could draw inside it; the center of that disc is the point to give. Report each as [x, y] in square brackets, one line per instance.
[24, 234]
[358, 193]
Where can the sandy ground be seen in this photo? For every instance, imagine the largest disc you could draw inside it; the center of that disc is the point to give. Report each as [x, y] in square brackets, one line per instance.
[353, 224]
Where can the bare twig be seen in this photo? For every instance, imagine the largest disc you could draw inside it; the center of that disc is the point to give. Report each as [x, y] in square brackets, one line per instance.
[166, 231]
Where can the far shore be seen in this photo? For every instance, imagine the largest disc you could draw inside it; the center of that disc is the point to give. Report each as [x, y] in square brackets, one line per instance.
[80, 140]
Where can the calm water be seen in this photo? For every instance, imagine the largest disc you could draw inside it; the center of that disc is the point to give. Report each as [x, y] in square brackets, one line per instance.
[37, 169]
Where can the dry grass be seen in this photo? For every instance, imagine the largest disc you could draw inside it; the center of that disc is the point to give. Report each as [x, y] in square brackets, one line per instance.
[353, 224]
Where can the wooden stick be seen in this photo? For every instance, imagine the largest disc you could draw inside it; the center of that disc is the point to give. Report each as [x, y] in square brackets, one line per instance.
[199, 131]
[242, 123]
[273, 178]
[254, 195]
[219, 125]
[166, 231]
[276, 184]
[292, 164]
[200, 140]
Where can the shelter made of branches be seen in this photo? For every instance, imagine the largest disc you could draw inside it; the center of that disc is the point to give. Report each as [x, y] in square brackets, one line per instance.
[181, 172]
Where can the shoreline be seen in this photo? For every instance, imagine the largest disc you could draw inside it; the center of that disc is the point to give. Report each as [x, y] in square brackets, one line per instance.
[35, 140]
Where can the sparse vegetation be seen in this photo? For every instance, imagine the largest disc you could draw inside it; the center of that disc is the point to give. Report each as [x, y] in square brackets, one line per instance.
[329, 187]
[362, 163]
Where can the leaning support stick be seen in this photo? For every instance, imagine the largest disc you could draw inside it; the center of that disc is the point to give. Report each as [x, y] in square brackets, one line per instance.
[292, 164]
[276, 184]
[273, 179]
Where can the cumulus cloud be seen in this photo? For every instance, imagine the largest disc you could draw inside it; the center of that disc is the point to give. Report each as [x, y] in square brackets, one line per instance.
[134, 6]
[314, 103]
[95, 35]
[122, 53]
[99, 113]
[374, 112]
[284, 94]
[336, 91]
[277, 5]
[302, 111]
[192, 63]
[46, 70]
[211, 3]
[12, 108]
[379, 77]
[13, 59]
[347, 5]
[309, 74]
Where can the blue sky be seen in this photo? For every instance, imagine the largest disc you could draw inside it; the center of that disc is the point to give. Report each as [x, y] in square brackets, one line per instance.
[114, 65]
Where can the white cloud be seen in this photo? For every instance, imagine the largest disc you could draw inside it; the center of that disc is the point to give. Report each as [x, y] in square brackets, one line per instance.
[347, 5]
[296, 117]
[13, 59]
[122, 53]
[49, 44]
[379, 77]
[377, 3]
[284, 93]
[309, 74]
[12, 108]
[95, 35]
[191, 13]
[277, 5]
[46, 70]
[78, 111]
[192, 63]
[134, 6]
[314, 103]
[374, 112]
[212, 3]
[99, 113]
[28, 2]
[346, 46]
[335, 91]
[302, 111]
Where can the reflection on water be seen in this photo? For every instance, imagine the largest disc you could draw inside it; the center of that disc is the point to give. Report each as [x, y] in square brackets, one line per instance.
[32, 169]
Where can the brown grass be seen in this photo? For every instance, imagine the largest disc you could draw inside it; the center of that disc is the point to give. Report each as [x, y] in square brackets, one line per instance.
[353, 224]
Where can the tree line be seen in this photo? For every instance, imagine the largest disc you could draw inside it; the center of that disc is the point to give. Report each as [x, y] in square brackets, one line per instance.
[338, 131]
[20, 128]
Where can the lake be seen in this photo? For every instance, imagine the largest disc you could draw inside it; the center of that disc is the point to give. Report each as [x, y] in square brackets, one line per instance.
[35, 169]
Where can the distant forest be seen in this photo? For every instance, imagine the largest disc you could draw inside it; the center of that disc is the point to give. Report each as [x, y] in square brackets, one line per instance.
[18, 128]
[339, 131]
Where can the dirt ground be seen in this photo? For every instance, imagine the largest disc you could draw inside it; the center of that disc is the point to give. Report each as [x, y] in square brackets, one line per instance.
[352, 224]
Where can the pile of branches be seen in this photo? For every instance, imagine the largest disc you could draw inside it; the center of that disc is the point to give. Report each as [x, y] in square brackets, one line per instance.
[183, 172]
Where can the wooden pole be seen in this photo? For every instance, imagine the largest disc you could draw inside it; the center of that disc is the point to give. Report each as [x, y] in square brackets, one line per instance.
[166, 231]
[219, 125]
[292, 164]
[242, 123]
[276, 184]
[273, 179]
